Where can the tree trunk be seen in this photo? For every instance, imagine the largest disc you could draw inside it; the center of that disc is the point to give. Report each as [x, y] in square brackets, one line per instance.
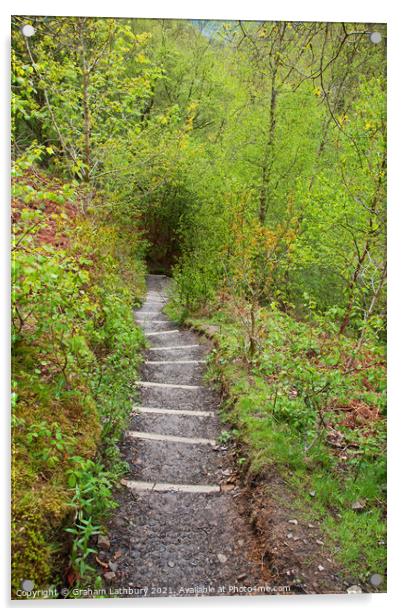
[269, 151]
[86, 117]
[86, 126]
[351, 287]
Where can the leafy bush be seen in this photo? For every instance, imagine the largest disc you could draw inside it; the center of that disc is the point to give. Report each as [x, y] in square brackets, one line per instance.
[75, 353]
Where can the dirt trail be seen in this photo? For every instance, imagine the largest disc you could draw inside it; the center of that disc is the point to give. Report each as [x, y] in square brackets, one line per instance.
[178, 529]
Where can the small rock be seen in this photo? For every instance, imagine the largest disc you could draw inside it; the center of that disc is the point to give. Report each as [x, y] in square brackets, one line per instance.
[290, 535]
[358, 505]
[320, 568]
[312, 493]
[113, 566]
[292, 522]
[240, 542]
[354, 590]
[319, 542]
[171, 563]
[103, 542]
[311, 525]
[109, 576]
[222, 558]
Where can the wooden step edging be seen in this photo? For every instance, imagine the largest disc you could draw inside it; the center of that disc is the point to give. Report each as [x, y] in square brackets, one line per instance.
[163, 411]
[168, 331]
[167, 385]
[170, 438]
[164, 362]
[149, 486]
[174, 348]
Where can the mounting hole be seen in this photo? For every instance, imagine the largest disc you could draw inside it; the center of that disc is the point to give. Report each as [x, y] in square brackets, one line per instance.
[28, 30]
[375, 37]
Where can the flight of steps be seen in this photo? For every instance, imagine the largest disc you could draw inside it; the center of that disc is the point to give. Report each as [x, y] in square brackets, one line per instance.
[172, 372]
[178, 525]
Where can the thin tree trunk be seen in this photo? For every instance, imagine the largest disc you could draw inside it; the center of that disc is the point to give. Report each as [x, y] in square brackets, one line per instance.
[269, 147]
[368, 314]
[86, 117]
[86, 126]
[351, 287]
[268, 158]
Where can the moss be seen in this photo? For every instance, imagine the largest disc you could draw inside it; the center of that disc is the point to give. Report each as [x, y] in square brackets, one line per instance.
[31, 549]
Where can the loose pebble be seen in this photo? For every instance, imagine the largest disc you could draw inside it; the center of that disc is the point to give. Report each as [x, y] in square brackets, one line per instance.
[103, 542]
[354, 590]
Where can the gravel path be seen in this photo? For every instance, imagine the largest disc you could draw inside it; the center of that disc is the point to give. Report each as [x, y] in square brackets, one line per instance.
[187, 538]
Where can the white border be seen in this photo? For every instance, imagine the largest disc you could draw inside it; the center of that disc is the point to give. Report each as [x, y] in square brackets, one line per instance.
[309, 10]
[305, 10]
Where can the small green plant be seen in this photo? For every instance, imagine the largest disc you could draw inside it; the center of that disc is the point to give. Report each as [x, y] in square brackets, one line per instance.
[82, 532]
[48, 444]
[92, 500]
[225, 436]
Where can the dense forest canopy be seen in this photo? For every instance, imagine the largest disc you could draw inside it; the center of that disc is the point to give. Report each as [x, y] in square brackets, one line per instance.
[279, 125]
[246, 159]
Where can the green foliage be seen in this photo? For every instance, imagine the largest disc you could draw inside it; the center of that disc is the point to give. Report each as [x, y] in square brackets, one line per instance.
[249, 159]
[75, 353]
[91, 500]
[48, 443]
[297, 407]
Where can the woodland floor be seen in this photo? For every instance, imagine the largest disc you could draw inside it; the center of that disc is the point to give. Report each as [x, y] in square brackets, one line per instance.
[186, 524]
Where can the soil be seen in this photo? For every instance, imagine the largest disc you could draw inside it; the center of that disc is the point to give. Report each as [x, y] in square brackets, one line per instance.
[294, 548]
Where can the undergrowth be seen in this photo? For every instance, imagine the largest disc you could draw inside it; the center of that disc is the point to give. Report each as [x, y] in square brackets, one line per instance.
[307, 406]
[75, 353]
